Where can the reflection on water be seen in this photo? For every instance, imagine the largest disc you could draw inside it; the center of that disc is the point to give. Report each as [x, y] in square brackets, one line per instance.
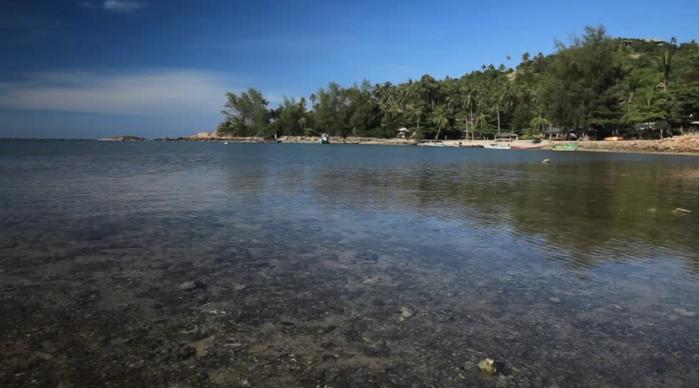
[576, 273]
[589, 212]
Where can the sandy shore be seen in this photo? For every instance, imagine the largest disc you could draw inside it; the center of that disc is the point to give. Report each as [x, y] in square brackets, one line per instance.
[687, 144]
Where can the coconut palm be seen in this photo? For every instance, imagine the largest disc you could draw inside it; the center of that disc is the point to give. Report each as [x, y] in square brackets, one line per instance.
[665, 66]
[480, 121]
[440, 119]
[539, 123]
[467, 100]
[302, 122]
[415, 111]
[503, 97]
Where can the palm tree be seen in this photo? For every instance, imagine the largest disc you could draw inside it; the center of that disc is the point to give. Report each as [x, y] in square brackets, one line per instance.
[497, 109]
[539, 123]
[504, 95]
[415, 111]
[302, 122]
[480, 120]
[665, 65]
[440, 119]
[467, 107]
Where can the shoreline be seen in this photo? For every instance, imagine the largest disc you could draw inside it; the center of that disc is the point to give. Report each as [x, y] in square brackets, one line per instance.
[677, 145]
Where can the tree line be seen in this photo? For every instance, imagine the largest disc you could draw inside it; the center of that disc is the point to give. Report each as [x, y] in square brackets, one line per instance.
[595, 85]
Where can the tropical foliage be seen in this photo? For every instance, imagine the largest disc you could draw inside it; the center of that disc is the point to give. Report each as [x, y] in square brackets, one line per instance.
[594, 85]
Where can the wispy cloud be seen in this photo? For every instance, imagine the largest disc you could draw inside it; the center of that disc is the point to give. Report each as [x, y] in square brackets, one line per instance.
[123, 6]
[292, 42]
[155, 93]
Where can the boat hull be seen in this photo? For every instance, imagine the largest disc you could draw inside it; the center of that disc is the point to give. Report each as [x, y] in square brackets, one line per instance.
[497, 146]
[431, 145]
[566, 147]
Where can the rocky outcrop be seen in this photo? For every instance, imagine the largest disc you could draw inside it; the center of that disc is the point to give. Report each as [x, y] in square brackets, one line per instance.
[676, 144]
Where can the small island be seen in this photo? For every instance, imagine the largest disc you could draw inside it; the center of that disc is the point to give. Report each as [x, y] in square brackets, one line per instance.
[123, 138]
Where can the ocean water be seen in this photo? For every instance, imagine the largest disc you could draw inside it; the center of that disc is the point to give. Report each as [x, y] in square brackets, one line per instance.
[285, 265]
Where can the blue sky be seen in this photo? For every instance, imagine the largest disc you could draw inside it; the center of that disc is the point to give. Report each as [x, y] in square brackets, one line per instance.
[160, 68]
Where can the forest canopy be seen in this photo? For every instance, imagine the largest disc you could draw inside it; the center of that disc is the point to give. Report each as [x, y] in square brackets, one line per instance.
[595, 85]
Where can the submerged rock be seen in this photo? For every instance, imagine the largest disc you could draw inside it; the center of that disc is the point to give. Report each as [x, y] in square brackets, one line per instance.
[373, 280]
[185, 352]
[487, 366]
[684, 312]
[326, 329]
[680, 211]
[190, 285]
[201, 346]
[406, 313]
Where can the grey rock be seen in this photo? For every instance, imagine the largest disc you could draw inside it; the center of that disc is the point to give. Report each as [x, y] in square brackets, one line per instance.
[680, 211]
[190, 286]
[406, 313]
[684, 312]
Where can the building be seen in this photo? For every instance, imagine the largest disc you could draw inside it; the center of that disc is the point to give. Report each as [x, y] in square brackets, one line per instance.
[564, 134]
[403, 133]
[506, 136]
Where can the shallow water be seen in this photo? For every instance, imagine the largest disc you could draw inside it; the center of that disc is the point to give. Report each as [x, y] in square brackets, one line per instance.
[580, 272]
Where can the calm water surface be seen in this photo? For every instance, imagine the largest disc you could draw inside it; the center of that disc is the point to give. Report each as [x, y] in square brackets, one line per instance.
[199, 264]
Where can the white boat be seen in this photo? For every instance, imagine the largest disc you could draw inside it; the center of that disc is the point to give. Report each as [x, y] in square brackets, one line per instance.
[498, 146]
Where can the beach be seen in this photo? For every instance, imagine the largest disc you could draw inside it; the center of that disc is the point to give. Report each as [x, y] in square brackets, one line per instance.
[684, 144]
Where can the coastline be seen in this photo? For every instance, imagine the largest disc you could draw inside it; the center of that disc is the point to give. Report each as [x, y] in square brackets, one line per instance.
[677, 145]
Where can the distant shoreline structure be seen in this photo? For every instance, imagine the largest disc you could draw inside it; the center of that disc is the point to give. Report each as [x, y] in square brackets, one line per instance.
[680, 145]
[677, 145]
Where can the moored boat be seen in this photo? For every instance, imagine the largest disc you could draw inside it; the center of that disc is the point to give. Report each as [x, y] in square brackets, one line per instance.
[566, 147]
[498, 146]
[527, 147]
[431, 144]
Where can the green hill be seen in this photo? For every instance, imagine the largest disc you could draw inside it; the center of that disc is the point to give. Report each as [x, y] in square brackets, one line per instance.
[595, 85]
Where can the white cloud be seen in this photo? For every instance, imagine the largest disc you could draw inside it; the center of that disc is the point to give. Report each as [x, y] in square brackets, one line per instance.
[123, 6]
[149, 93]
[115, 5]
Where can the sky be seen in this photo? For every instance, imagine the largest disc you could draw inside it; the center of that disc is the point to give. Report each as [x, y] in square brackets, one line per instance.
[93, 68]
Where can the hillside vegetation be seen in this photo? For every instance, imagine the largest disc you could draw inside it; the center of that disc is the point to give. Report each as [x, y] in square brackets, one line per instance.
[595, 85]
